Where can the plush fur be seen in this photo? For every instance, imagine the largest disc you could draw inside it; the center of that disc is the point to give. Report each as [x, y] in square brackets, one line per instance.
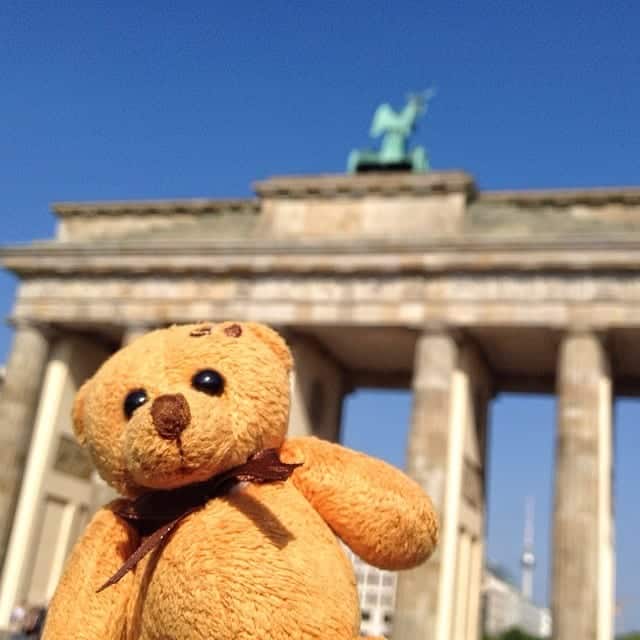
[262, 562]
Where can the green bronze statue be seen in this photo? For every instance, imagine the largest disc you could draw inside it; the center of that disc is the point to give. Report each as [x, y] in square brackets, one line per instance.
[395, 129]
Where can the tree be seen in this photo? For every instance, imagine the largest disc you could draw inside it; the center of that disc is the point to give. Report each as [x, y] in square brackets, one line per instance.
[517, 634]
[513, 634]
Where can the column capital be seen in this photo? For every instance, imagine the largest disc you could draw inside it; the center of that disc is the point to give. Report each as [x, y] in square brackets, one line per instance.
[441, 328]
[583, 355]
[45, 328]
[458, 336]
[133, 331]
[587, 330]
[464, 343]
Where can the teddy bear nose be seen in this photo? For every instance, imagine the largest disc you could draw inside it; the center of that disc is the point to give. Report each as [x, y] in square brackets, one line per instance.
[170, 415]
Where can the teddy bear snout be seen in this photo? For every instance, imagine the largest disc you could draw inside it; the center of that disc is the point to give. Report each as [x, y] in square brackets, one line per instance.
[170, 415]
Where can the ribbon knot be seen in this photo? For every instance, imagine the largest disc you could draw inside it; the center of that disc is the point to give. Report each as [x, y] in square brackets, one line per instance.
[157, 513]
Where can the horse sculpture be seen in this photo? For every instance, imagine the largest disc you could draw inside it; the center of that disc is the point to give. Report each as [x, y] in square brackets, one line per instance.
[395, 129]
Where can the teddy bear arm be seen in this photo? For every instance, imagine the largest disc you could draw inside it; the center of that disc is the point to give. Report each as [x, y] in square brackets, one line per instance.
[76, 610]
[380, 513]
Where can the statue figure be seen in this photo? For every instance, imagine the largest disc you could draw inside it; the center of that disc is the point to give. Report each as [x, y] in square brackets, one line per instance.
[395, 129]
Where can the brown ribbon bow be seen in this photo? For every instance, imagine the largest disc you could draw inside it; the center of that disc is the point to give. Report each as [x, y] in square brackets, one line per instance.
[157, 513]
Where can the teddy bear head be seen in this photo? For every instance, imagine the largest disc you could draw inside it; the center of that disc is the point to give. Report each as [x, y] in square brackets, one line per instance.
[182, 404]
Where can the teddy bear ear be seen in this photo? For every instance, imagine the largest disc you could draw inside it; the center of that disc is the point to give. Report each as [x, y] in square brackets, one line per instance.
[274, 341]
[77, 413]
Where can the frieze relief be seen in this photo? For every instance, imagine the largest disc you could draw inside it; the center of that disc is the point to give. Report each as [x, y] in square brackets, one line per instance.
[404, 289]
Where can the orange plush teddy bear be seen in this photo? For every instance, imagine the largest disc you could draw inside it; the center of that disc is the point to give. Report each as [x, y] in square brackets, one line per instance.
[227, 531]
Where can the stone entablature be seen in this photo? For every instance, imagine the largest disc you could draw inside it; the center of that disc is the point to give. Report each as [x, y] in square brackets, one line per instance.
[578, 253]
[345, 290]
[477, 280]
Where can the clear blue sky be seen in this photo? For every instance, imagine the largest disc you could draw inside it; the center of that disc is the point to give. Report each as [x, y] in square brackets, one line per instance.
[153, 100]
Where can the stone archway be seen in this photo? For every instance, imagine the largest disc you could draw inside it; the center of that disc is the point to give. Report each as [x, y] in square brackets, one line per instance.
[406, 280]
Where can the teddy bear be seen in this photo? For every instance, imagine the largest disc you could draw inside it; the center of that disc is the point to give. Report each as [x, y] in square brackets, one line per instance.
[226, 530]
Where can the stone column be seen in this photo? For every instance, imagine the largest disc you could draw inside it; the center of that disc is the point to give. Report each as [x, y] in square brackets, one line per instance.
[317, 390]
[439, 600]
[18, 404]
[40, 452]
[582, 602]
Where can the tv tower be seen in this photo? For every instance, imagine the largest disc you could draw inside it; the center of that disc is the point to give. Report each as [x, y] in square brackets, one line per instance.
[528, 558]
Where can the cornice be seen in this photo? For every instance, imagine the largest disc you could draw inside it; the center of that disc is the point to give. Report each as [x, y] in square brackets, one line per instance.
[331, 186]
[563, 197]
[620, 252]
[366, 184]
[194, 206]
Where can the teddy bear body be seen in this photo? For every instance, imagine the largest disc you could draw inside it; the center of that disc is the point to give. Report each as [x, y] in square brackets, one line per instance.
[266, 581]
[179, 407]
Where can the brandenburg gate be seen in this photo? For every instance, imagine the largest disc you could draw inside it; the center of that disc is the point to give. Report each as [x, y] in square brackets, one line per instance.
[397, 280]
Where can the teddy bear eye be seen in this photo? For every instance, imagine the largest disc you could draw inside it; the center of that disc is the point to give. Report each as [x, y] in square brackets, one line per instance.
[134, 400]
[208, 381]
